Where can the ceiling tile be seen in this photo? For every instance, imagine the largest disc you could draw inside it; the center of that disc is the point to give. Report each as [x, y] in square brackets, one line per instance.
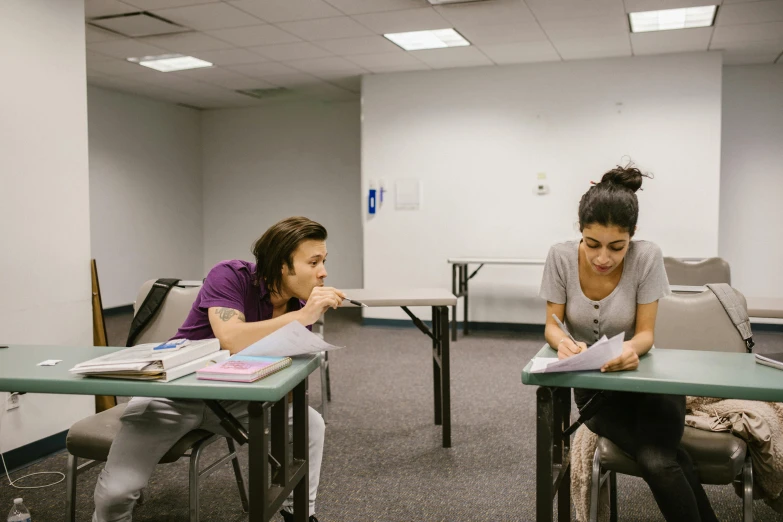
[188, 43]
[486, 13]
[326, 28]
[330, 64]
[352, 7]
[93, 57]
[402, 21]
[592, 27]
[452, 57]
[254, 35]
[162, 4]
[264, 70]
[229, 57]
[570, 9]
[361, 45]
[274, 11]
[127, 48]
[292, 51]
[224, 78]
[687, 40]
[291, 80]
[327, 92]
[96, 34]
[521, 52]
[750, 13]
[208, 16]
[352, 83]
[93, 8]
[503, 34]
[635, 6]
[387, 61]
[595, 47]
[729, 34]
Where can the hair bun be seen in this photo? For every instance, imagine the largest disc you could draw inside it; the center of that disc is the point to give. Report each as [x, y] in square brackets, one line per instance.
[628, 177]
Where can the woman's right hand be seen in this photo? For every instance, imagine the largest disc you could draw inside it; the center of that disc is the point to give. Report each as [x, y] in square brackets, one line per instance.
[567, 348]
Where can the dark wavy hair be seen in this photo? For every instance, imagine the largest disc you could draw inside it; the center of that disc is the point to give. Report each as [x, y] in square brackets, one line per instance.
[277, 246]
[613, 202]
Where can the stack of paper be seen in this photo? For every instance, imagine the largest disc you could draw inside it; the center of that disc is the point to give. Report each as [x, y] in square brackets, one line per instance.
[144, 362]
[603, 351]
[290, 340]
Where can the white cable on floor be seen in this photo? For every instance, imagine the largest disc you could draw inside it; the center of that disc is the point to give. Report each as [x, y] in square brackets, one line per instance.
[13, 482]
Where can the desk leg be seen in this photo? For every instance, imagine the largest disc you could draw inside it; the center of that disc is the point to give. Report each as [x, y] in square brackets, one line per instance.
[562, 455]
[463, 269]
[442, 370]
[258, 471]
[454, 308]
[301, 452]
[553, 409]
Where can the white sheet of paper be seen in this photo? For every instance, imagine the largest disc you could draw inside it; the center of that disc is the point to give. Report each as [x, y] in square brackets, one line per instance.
[596, 356]
[292, 339]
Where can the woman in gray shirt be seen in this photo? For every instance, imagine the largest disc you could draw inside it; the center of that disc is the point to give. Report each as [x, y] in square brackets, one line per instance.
[605, 284]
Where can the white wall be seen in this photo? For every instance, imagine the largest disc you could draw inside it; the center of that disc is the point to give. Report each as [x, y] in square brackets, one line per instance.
[476, 138]
[145, 192]
[265, 164]
[751, 201]
[44, 200]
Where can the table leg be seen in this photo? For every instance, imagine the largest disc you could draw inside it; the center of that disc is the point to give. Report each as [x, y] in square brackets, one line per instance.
[441, 371]
[464, 277]
[454, 308]
[301, 452]
[436, 367]
[258, 472]
[562, 457]
[553, 410]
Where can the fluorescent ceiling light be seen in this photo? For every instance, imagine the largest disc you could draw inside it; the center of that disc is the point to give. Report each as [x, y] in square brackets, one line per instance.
[170, 62]
[435, 39]
[667, 19]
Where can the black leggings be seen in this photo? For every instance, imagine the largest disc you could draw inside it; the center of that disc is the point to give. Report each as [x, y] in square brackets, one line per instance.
[649, 427]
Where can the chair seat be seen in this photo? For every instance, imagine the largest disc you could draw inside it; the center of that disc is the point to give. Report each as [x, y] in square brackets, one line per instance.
[91, 437]
[718, 456]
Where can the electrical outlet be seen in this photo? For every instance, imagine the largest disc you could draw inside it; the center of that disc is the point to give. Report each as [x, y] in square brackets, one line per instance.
[12, 402]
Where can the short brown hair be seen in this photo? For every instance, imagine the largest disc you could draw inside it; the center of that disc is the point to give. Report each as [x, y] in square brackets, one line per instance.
[277, 247]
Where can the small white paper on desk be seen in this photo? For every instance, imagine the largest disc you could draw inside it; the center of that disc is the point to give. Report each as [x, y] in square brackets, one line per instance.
[596, 356]
[290, 340]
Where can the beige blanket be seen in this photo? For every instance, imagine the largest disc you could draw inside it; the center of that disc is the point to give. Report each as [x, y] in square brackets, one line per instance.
[760, 424]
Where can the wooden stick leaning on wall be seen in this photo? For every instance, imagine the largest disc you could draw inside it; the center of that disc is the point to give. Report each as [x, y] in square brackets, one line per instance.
[99, 336]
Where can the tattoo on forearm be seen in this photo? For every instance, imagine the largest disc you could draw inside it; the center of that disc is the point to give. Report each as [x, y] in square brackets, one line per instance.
[227, 313]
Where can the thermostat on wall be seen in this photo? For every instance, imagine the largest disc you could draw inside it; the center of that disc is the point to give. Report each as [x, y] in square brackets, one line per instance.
[541, 189]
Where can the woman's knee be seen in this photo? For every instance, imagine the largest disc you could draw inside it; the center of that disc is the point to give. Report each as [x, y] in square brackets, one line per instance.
[656, 462]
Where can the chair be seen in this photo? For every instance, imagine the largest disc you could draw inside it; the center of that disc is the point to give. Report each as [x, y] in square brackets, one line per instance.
[91, 438]
[710, 270]
[694, 321]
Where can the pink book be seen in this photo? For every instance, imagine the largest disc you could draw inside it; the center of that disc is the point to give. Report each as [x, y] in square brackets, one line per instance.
[242, 368]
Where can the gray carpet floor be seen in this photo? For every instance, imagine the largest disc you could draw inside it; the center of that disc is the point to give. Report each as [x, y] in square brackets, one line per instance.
[383, 459]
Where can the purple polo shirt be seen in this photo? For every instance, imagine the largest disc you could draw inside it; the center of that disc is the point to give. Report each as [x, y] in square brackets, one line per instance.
[229, 285]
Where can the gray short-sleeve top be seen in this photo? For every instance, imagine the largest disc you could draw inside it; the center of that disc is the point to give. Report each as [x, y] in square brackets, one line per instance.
[643, 281]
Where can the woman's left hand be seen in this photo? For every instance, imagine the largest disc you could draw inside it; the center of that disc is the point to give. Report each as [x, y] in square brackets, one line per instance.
[628, 360]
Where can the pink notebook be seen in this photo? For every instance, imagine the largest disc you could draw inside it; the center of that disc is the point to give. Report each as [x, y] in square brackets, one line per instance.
[241, 368]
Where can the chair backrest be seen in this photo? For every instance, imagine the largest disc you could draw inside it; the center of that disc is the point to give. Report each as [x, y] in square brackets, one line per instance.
[697, 321]
[170, 316]
[710, 270]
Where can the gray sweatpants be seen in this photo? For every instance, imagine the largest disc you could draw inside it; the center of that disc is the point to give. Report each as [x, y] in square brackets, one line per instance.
[150, 427]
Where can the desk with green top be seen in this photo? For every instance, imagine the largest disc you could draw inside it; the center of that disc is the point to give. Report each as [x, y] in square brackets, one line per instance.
[19, 372]
[676, 372]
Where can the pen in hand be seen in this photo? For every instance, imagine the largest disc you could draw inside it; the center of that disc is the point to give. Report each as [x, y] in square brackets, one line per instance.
[357, 303]
[565, 330]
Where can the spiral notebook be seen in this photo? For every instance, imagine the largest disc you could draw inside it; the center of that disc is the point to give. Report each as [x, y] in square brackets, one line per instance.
[242, 368]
